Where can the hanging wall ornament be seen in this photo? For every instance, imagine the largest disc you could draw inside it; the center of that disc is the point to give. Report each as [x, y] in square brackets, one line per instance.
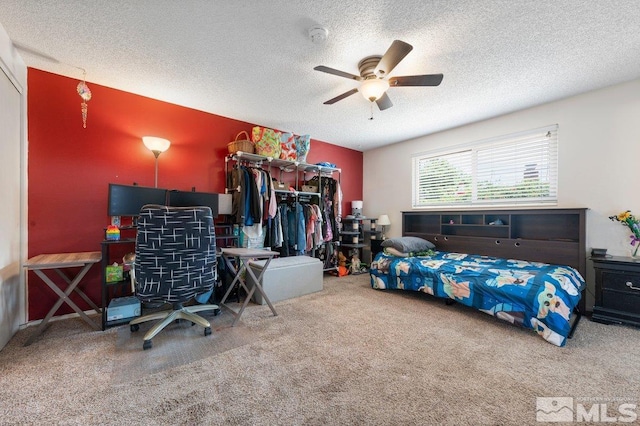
[85, 94]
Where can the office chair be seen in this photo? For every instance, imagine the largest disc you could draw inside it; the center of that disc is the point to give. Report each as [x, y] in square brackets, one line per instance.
[175, 261]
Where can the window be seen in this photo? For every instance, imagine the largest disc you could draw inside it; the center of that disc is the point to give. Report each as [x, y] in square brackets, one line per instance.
[509, 170]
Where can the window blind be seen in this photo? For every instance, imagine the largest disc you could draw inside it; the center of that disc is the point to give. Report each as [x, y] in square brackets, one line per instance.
[520, 168]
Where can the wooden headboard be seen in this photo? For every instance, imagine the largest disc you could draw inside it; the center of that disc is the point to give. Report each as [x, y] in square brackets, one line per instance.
[555, 236]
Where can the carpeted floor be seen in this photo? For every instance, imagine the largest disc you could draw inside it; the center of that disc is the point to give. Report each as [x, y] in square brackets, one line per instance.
[178, 345]
[348, 355]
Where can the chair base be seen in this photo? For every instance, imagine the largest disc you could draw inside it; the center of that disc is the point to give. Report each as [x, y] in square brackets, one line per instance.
[168, 316]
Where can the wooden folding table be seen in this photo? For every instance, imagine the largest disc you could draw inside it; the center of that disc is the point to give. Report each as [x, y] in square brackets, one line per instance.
[39, 264]
[243, 256]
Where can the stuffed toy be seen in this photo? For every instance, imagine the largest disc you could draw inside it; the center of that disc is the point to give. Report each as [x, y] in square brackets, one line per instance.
[342, 265]
[355, 266]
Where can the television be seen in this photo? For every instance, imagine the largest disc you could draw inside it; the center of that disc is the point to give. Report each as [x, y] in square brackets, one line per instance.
[127, 200]
[192, 198]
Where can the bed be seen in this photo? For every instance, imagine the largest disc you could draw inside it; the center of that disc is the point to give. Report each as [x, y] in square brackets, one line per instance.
[537, 292]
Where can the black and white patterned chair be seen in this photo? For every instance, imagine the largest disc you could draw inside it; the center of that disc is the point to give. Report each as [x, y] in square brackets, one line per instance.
[175, 261]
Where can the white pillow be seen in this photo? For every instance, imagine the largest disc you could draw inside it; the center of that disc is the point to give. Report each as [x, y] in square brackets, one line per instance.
[393, 252]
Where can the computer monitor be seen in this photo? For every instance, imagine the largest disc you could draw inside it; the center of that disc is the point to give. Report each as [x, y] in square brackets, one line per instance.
[191, 198]
[127, 200]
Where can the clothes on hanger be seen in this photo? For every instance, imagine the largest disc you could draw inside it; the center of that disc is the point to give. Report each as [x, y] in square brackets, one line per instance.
[286, 222]
[252, 190]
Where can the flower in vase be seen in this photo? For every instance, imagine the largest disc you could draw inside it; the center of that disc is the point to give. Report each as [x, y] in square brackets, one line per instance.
[631, 222]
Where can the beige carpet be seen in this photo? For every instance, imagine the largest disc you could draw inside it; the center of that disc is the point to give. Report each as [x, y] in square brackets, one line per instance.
[348, 355]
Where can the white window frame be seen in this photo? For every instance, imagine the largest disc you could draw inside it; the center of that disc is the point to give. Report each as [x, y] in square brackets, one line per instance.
[518, 169]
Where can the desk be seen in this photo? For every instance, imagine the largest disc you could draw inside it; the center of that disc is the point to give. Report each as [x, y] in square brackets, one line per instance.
[244, 255]
[42, 262]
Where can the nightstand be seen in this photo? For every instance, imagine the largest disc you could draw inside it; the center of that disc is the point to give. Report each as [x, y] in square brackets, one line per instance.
[376, 247]
[617, 290]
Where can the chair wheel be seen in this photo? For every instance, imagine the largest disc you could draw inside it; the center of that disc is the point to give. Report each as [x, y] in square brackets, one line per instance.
[134, 327]
[147, 345]
[207, 331]
[216, 312]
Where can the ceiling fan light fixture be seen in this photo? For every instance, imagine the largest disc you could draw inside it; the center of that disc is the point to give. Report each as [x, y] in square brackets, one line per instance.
[373, 69]
[373, 88]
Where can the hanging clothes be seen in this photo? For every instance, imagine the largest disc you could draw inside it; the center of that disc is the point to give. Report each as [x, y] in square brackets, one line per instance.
[337, 201]
[273, 201]
[253, 221]
[236, 183]
[330, 231]
[317, 237]
[330, 204]
[253, 210]
[300, 237]
[284, 217]
[310, 228]
[291, 223]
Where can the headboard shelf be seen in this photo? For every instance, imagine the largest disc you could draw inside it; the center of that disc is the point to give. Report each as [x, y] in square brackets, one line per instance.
[555, 236]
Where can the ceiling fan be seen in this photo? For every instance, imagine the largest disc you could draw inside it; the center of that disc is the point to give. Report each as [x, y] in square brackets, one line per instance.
[373, 73]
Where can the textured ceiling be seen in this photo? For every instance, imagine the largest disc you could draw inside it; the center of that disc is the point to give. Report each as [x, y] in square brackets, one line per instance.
[253, 60]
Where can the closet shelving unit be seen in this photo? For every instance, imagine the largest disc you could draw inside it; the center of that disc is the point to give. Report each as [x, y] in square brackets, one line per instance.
[352, 237]
[372, 238]
[284, 166]
[300, 170]
[352, 232]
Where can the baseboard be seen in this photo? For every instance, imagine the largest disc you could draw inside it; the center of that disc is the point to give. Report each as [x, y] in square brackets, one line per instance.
[56, 318]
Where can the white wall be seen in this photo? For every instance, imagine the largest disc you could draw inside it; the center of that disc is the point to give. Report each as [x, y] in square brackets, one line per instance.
[599, 161]
[13, 83]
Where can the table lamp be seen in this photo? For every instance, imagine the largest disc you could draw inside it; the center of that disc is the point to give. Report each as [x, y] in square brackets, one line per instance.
[383, 221]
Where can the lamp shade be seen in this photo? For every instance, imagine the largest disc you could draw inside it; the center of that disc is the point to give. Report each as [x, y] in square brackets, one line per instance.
[383, 220]
[155, 144]
[373, 88]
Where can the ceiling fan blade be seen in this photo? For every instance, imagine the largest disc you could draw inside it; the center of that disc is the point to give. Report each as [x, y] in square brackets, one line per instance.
[416, 80]
[341, 97]
[384, 102]
[392, 57]
[337, 72]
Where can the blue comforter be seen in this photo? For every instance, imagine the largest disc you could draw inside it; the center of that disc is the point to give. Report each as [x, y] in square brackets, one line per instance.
[534, 295]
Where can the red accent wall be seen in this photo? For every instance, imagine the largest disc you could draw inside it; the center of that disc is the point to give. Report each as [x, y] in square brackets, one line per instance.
[70, 167]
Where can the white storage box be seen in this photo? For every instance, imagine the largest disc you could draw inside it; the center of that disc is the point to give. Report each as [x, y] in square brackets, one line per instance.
[287, 277]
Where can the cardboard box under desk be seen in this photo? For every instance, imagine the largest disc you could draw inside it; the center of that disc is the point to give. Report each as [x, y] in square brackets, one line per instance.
[123, 307]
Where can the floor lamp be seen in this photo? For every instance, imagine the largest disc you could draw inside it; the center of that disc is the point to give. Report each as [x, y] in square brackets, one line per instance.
[157, 146]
